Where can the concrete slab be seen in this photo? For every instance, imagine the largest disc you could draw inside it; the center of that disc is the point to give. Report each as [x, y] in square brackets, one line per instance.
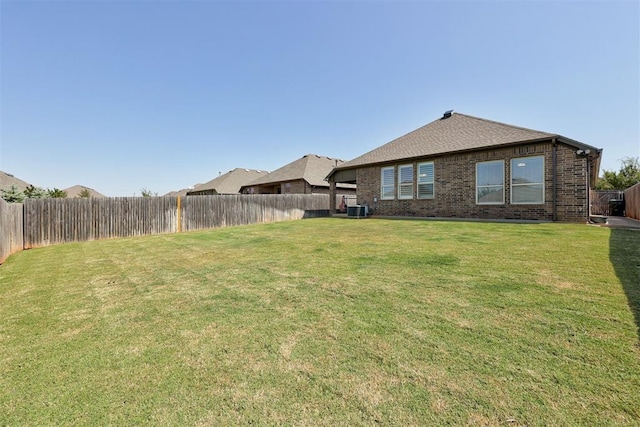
[622, 222]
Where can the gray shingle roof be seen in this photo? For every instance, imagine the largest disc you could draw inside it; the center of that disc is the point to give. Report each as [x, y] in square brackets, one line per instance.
[459, 132]
[230, 182]
[310, 167]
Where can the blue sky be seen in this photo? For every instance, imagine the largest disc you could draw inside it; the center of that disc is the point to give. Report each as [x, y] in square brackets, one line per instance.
[124, 95]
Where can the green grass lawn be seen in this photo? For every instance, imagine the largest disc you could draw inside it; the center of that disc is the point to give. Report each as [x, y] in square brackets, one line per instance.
[327, 322]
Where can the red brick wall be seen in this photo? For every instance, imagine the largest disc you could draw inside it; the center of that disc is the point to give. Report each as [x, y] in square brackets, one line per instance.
[455, 184]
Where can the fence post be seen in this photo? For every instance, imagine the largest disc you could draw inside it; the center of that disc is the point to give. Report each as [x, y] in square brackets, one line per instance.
[178, 217]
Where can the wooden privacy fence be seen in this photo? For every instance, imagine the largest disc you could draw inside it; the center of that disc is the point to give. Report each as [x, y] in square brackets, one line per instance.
[632, 201]
[202, 212]
[52, 221]
[11, 229]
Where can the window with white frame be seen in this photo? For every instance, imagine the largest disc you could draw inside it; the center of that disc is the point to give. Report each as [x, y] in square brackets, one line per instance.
[426, 177]
[405, 182]
[490, 183]
[387, 180]
[527, 180]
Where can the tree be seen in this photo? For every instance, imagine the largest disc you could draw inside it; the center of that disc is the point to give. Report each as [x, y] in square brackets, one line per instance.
[12, 195]
[57, 194]
[145, 192]
[627, 176]
[85, 193]
[32, 192]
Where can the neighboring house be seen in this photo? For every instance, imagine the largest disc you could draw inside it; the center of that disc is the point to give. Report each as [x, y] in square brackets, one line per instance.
[77, 191]
[305, 175]
[7, 180]
[229, 183]
[182, 192]
[468, 167]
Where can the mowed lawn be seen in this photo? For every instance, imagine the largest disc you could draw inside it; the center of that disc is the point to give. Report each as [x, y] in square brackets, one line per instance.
[327, 322]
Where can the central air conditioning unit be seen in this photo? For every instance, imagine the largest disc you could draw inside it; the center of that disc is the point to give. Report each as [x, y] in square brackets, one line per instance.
[357, 211]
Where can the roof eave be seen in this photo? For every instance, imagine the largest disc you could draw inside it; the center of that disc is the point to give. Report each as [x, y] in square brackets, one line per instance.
[558, 138]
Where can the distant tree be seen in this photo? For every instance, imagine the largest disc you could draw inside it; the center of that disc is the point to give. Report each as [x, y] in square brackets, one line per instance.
[57, 194]
[627, 176]
[85, 193]
[32, 192]
[145, 192]
[12, 195]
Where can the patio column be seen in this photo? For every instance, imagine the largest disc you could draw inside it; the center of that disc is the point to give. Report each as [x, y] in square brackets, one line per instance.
[332, 197]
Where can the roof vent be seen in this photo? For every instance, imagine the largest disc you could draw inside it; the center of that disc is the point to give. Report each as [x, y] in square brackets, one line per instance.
[447, 114]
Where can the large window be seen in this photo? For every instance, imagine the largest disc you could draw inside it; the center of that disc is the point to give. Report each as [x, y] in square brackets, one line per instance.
[527, 180]
[387, 187]
[490, 183]
[425, 180]
[405, 182]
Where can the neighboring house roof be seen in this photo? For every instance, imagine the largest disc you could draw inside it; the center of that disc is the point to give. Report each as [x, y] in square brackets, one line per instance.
[182, 192]
[230, 182]
[7, 180]
[454, 132]
[310, 167]
[75, 191]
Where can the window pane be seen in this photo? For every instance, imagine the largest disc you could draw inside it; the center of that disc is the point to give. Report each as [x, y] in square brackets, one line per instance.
[425, 172]
[425, 191]
[387, 192]
[527, 194]
[494, 194]
[387, 176]
[490, 173]
[406, 174]
[527, 170]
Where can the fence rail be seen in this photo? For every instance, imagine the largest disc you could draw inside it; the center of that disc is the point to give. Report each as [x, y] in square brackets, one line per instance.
[632, 201]
[11, 229]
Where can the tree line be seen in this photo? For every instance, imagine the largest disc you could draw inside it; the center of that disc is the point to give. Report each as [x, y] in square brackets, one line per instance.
[626, 177]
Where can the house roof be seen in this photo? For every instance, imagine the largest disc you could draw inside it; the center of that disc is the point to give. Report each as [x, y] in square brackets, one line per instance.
[182, 192]
[310, 167]
[454, 132]
[230, 182]
[77, 189]
[7, 180]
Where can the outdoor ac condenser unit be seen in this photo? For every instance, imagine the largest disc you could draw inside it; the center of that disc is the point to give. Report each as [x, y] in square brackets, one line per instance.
[357, 211]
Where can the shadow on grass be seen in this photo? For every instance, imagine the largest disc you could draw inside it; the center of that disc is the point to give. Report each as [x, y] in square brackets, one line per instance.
[624, 253]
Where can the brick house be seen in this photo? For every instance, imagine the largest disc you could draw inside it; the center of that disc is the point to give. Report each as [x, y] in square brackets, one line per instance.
[305, 175]
[467, 167]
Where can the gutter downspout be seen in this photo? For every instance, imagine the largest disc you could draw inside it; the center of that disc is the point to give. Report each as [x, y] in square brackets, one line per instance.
[554, 165]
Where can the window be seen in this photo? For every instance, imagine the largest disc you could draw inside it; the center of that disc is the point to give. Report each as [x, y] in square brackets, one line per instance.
[490, 183]
[387, 179]
[405, 182]
[527, 180]
[425, 180]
